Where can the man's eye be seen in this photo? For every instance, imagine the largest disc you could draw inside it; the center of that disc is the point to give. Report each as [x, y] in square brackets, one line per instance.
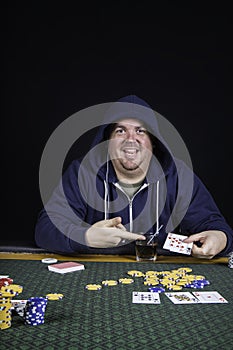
[119, 131]
[141, 131]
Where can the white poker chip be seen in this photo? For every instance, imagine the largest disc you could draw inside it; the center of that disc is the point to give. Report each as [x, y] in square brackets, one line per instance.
[49, 261]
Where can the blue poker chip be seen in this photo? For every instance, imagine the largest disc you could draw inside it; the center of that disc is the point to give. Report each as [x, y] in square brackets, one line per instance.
[156, 289]
[194, 285]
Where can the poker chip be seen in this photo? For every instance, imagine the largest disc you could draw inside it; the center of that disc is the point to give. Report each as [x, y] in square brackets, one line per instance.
[4, 294]
[135, 273]
[185, 269]
[109, 283]
[54, 296]
[93, 286]
[12, 288]
[174, 287]
[126, 280]
[156, 289]
[49, 261]
[151, 282]
[152, 273]
[5, 281]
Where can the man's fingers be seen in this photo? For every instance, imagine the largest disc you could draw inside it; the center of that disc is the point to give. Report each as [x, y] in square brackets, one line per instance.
[121, 227]
[113, 222]
[130, 236]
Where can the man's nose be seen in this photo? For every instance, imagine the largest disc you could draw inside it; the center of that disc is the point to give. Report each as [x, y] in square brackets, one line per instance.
[131, 135]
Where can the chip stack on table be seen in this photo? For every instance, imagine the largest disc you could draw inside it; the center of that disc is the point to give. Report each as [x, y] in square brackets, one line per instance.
[7, 292]
[35, 310]
[5, 310]
[230, 260]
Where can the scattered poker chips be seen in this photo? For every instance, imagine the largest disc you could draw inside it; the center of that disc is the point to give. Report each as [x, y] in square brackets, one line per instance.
[159, 281]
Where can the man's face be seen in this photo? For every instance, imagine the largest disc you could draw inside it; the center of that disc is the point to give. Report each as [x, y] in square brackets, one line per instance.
[130, 148]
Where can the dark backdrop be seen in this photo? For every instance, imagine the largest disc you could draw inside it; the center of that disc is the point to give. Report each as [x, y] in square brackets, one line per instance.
[60, 59]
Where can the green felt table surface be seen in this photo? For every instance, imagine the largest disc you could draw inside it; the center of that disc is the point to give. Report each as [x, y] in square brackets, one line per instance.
[107, 319]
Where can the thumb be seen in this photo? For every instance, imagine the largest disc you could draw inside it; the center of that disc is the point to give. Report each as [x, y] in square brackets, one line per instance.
[193, 238]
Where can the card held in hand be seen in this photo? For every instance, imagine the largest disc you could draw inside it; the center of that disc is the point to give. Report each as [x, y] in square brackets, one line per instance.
[174, 243]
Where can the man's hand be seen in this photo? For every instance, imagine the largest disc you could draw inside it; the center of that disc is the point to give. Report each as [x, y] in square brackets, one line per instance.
[109, 233]
[212, 243]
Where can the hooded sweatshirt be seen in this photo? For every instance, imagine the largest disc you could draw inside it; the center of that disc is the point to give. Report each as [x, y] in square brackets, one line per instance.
[171, 198]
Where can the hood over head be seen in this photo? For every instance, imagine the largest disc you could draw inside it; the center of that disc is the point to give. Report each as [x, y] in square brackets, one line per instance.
[129, 107]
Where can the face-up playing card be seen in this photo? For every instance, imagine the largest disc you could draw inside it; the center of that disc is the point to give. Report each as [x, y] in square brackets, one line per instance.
[182, 298]
[209, 297]
[175, 243]
[145, 298]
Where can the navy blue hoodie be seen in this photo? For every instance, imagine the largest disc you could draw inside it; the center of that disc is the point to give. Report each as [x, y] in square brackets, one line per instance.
[171, 199]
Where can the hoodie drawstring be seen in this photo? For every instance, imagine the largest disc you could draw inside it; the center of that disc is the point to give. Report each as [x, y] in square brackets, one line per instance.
[106, 202]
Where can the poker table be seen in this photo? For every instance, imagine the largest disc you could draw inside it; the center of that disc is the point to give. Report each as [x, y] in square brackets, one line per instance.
[107, 318]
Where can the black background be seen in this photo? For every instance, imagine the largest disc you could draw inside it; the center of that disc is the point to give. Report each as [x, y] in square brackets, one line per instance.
[60, 59]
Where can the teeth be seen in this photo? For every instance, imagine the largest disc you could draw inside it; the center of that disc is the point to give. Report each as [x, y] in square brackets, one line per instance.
[130, 151]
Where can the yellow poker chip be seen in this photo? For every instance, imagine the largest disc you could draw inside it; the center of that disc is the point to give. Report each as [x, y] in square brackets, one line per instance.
[7, 294]
[135, 273]
[175, 287]
[54, 296]
[149, 282]
[93, 286]
[182, 282]
[12, 288]
[126, 280]
[185, 269]
[152, 273]
[109, 283]
[199, 277]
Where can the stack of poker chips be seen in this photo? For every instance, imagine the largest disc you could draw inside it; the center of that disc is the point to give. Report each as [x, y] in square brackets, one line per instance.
[5, 310]
[230, 260]
[7, 292]
[35, 311]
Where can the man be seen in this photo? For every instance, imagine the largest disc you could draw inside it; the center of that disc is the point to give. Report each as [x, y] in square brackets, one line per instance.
[130, 184]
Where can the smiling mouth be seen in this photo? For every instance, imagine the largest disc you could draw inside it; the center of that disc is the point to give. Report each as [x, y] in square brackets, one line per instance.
[130, 153]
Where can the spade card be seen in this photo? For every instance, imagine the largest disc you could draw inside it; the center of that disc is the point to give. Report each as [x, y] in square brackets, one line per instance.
[145, 298]
[175, 243]
[210, 297]
[182, 298]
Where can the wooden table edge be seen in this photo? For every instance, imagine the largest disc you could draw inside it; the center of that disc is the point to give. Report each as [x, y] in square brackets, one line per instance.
[110, 258]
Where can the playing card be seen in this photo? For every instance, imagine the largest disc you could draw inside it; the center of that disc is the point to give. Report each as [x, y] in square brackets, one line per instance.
[210, 297]
[175, 243]
[182, 298]
[145, 298]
